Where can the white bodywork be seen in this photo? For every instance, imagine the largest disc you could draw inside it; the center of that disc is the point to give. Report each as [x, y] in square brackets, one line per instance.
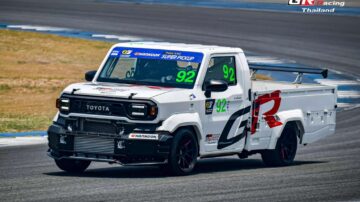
[312, 106]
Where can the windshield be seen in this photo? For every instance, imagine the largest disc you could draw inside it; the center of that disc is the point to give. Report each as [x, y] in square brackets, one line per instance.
[151, 67]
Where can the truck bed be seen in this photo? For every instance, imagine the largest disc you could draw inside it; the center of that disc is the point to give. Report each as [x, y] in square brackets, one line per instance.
[263, 86]
[313, 104]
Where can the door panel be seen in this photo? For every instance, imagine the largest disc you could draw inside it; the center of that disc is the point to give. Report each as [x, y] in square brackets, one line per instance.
[224, 124]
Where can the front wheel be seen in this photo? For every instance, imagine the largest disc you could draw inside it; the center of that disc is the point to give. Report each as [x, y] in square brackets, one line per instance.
[285, 150]
[72, 165]
[184, 152]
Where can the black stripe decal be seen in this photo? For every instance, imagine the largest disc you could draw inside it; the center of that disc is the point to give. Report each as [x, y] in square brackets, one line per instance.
[243, 123]
[223, 141]
[242, 135]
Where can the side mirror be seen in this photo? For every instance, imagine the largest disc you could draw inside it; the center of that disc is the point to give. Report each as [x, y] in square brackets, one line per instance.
[215, 86]
[89, 76]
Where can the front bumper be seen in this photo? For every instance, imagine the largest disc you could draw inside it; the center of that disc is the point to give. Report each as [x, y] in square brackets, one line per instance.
[64, 144]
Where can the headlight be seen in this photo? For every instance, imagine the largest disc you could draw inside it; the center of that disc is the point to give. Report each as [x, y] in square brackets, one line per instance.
[63, 104]
[138, 110]
[142, 110]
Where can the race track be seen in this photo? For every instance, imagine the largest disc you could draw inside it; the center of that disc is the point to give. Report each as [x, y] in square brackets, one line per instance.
[327, 170]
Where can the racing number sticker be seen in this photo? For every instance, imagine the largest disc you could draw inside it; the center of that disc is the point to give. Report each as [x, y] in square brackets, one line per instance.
[229, 73]
[186, 77]
[221, 105]
[209, 105]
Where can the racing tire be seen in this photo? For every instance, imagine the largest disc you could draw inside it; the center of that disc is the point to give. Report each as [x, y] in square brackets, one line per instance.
[285, 149]
[183, 153]
[72, 165]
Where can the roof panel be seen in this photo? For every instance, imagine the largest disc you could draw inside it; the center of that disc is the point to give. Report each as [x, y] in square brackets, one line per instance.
[180, 47]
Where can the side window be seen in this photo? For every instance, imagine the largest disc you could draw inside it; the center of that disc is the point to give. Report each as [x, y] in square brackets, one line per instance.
[222, 68]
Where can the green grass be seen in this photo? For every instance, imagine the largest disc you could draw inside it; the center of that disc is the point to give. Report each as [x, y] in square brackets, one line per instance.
[4, 87]
[34, 69]
[15, 123]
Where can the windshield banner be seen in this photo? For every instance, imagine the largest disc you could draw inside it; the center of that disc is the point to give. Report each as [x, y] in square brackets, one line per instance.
[156, 54]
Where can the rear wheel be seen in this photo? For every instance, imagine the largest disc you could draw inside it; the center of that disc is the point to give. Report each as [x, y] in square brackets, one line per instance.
[285, 150]
[184, 152]
[72, 165]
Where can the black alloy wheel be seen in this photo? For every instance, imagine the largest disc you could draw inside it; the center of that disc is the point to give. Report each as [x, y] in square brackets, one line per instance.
[184, 152]
[285, 150]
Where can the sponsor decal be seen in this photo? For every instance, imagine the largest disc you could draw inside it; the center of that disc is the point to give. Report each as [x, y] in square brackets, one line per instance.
[144, 136]
[147, 54]
[320, 5]
[157, 54]
[269, 115]
[110, 90]
[177, 57]
[209, 106]
[114, 53]
[212, 138]
[126, 52]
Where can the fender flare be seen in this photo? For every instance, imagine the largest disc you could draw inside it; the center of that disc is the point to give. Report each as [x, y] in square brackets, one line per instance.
[175, 121]
[285, 117]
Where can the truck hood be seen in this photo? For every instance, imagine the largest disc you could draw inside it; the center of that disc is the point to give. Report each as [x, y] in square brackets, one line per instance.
[117, 90]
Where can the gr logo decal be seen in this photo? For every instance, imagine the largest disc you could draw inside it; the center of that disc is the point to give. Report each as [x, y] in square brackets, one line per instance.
[126, 52]
[269, 115]
[304, 2]
[223, 141]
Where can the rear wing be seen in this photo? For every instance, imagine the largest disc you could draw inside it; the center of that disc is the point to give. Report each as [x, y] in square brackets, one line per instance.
[300, 70]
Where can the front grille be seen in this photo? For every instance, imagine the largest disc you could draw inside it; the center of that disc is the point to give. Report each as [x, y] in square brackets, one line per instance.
[89, 106]
[105, 106]
[98, 127]
[93, 144]
[113, 127]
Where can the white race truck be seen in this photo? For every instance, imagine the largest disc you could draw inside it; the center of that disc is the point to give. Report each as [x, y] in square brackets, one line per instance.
[170, 104]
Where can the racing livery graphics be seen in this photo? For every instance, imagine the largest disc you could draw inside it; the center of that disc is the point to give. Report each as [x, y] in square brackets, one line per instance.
[169, 104]
[269, 115]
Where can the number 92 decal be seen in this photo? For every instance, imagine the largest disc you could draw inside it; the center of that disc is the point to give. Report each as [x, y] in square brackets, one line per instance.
[185, 76]
[221, 105]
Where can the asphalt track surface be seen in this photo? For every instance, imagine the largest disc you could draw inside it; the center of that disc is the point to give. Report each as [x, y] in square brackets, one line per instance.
[328, 170]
